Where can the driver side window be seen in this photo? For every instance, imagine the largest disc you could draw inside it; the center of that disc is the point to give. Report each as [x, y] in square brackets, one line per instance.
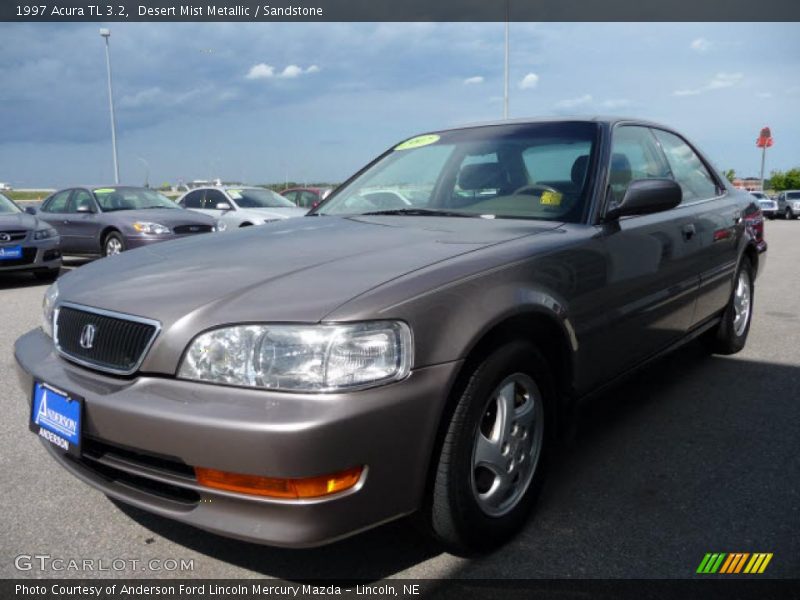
[634, 155]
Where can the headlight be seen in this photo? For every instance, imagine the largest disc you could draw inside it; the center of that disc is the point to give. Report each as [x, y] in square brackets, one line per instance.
[220, 226]
[796, 205]
[301, 358]
[150, 228]
[43, 234]
[48, 308]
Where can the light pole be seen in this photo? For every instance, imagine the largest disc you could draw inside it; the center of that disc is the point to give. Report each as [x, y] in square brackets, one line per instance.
[505, 79]
[106, 33]
[146, 171]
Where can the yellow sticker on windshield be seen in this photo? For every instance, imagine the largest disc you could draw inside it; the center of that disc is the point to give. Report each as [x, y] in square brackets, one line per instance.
[105, 191]
[550, 199]
[418, 142]
[235, 194]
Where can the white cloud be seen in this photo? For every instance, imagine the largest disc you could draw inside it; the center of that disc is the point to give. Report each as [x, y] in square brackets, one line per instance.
[613, 103]
[700, 44]
[764, 94]
[290, 72]
[530, 81]
[265, 71]
[473, 80]
[718, 82]
[261, 71]
[573, 102]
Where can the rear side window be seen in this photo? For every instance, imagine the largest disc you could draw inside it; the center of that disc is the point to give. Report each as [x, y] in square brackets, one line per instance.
[58, 203]
[193, 199]
[634, 155]
[687, 168]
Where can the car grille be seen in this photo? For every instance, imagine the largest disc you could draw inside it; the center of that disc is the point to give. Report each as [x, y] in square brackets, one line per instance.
[28, 257]
[13, 236]
[119, 342]
[184, 229]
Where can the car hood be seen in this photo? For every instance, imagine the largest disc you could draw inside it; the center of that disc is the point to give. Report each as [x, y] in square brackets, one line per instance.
[277, 212]
[168, 217]
[297, 270]
[18, 221]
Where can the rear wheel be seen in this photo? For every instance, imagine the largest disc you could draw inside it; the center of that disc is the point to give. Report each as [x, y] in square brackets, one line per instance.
[730, 335]
[491, 464]
[246, 225]
[788, 214]
[113, 244]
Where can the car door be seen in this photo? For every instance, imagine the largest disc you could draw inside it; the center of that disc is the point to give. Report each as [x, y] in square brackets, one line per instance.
[716, 222]
[652, 277]
[55, 212]
[83, 222]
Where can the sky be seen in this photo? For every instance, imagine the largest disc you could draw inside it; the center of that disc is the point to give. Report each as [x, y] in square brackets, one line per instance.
[268, 102]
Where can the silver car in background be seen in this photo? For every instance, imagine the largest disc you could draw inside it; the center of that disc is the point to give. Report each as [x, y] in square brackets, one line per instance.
[768, 206]
[26, 243]
[241, 206]
[789, 204]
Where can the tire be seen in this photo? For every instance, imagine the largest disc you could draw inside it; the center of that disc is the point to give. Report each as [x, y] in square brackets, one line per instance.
[113, 244]
[730, 336]
[245, 225]
[788, 214]
[47, 275]
[464, 512]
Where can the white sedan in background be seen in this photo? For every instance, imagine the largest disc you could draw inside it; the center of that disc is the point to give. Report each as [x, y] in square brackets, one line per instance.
[241, 206]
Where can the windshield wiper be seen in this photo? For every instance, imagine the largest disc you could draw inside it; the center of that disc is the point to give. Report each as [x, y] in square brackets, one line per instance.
[420, 212]
[149, 207]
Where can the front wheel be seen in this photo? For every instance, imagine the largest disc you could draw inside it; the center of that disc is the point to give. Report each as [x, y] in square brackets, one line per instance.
[491, 464]
[113, 244]
[730, 335]
[788, 214]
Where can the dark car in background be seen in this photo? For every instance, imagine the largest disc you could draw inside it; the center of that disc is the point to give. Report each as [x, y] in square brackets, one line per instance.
[422, 362]
[306, 197]
[27, 243]
[109, 220]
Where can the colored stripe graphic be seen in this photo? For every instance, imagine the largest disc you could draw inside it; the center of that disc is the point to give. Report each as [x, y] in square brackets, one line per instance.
[758, 563]
[734, 563]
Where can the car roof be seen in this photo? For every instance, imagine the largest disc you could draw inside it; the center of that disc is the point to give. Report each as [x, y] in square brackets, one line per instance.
[608, 120]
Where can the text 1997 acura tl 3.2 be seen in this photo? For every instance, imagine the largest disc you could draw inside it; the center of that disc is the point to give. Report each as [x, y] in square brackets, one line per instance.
[421, 362]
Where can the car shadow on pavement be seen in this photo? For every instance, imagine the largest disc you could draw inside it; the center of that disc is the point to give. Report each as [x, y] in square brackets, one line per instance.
[689, 455]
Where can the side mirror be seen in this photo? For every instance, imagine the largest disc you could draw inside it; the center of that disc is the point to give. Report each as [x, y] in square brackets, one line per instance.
[223, 206]
[31, 210]
[647, 196]
[84, 208]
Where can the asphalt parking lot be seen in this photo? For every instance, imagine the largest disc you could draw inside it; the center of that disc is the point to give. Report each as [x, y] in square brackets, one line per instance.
[695, 454]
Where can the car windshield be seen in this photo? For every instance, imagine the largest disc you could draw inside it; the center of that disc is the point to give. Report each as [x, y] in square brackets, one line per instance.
[7, 206]
[259, 198]
[126, 198]
[523, 171]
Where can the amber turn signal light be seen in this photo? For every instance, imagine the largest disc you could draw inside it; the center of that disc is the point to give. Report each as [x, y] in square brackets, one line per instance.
[273, 487]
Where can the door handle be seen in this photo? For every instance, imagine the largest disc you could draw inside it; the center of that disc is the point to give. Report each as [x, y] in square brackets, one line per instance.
[688, 231]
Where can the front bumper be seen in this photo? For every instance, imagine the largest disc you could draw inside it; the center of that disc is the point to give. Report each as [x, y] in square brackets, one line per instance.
[141, 240]
[36, 255]
[390, 430]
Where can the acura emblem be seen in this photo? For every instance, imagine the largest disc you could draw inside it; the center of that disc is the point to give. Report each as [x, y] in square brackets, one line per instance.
[87, 336]
[5, 237]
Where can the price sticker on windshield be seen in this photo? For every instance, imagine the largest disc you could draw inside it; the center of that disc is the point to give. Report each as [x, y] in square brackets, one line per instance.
[418, 142]
[550, 199]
